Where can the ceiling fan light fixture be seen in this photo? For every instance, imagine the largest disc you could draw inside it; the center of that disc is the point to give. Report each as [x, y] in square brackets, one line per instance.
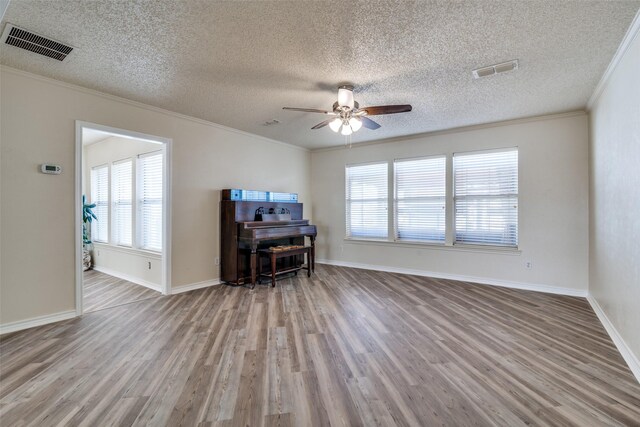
[348, 116]
[335, 124]
[345, 96]
[355, 123]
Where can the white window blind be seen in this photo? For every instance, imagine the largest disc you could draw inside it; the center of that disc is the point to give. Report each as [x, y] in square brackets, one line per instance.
[100, 196]
[150, 200]
[420, 190]
[367, 200]
[486, 198]
[122, 194]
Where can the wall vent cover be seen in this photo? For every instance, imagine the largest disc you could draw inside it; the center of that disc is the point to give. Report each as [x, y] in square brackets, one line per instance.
[24, 39]
[491, 70]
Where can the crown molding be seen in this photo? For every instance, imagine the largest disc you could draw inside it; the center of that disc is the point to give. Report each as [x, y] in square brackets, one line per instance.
[629, 37]
[11, 70]
[461, 129]
[4, 5]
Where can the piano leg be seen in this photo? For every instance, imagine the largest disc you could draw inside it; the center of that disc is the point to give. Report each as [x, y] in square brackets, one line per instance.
[253, 266]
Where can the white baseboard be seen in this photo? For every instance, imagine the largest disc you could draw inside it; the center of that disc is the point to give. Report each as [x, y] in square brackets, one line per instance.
[623, 348]
[128, 278]
[481, 280]
[194, 286]
[36, 321]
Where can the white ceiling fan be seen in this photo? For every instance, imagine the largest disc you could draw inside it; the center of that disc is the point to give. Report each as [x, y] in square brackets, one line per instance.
[348, 117]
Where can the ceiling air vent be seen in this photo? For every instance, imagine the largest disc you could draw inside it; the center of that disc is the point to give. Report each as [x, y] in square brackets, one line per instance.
[503, 67]
[24, 39]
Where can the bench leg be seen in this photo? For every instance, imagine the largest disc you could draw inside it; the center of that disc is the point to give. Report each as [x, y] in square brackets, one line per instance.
[273, 270]
[313, 254]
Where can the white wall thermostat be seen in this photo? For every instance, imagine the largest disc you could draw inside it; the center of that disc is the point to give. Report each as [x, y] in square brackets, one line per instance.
[51, 169]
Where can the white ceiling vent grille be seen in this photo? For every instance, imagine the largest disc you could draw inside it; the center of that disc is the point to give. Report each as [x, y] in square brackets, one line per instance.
[503, 67]
[24, 39]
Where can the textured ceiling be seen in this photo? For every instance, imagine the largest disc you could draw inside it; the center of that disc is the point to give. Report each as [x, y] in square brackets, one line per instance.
[238, 63]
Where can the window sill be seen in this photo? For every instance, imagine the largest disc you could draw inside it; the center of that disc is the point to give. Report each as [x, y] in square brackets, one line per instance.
[436, 246]
[128, 250]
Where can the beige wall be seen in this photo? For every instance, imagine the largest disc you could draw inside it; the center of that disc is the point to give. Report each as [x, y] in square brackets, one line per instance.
[37, 213]
[553, 205]
[136, 265]
[141, 267]
[615, 199]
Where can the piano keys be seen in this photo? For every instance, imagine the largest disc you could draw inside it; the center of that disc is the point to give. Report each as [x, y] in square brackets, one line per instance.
[243, 232]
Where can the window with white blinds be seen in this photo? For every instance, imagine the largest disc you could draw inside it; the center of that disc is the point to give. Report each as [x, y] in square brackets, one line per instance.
[150, 200]
[486, 198]
[122, 197]
[367, 189]
[420, 199]
[100, 196]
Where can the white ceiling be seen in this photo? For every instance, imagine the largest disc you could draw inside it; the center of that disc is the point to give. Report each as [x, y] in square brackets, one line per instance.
[238, 63]
[91, 136]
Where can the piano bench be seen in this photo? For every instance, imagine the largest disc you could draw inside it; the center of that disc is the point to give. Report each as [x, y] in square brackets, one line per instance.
[281, 252]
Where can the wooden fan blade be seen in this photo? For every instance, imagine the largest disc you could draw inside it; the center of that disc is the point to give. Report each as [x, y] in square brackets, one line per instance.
[323, 124]
[386, 109]
[310, 110]
[368, 123]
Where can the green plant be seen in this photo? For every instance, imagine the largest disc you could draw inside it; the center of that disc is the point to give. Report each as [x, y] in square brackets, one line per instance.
[87, 217]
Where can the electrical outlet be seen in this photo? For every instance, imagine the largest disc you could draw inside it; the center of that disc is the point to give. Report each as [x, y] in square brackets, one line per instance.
[341, 248]
[529, 264]
[149, 265]
[217, 261]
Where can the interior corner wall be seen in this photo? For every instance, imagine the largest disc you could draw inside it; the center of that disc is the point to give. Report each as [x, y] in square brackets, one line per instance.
[37, 248]
[553, 206]
[614, 231]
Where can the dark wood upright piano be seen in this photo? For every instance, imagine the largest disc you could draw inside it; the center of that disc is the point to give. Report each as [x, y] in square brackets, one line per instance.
[253, 220]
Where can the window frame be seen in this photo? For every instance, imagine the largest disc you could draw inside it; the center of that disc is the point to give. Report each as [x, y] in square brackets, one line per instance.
[396, 237]
[114, 205]
[454, 198]
[348, 201]
[450, 231]
[107, 203]
[140, 203]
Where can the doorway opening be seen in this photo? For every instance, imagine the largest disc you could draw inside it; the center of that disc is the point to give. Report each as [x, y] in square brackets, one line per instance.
[123, 236]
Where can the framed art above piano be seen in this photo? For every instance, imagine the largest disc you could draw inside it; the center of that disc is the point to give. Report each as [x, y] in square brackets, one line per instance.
[252, 220]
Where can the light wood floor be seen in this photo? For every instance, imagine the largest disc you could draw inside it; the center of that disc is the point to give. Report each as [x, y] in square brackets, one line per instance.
[346, 347]
[101, 291]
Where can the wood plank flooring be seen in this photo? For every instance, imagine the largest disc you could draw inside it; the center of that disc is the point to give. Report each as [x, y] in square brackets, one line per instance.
[101, 291]
[346, 347]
